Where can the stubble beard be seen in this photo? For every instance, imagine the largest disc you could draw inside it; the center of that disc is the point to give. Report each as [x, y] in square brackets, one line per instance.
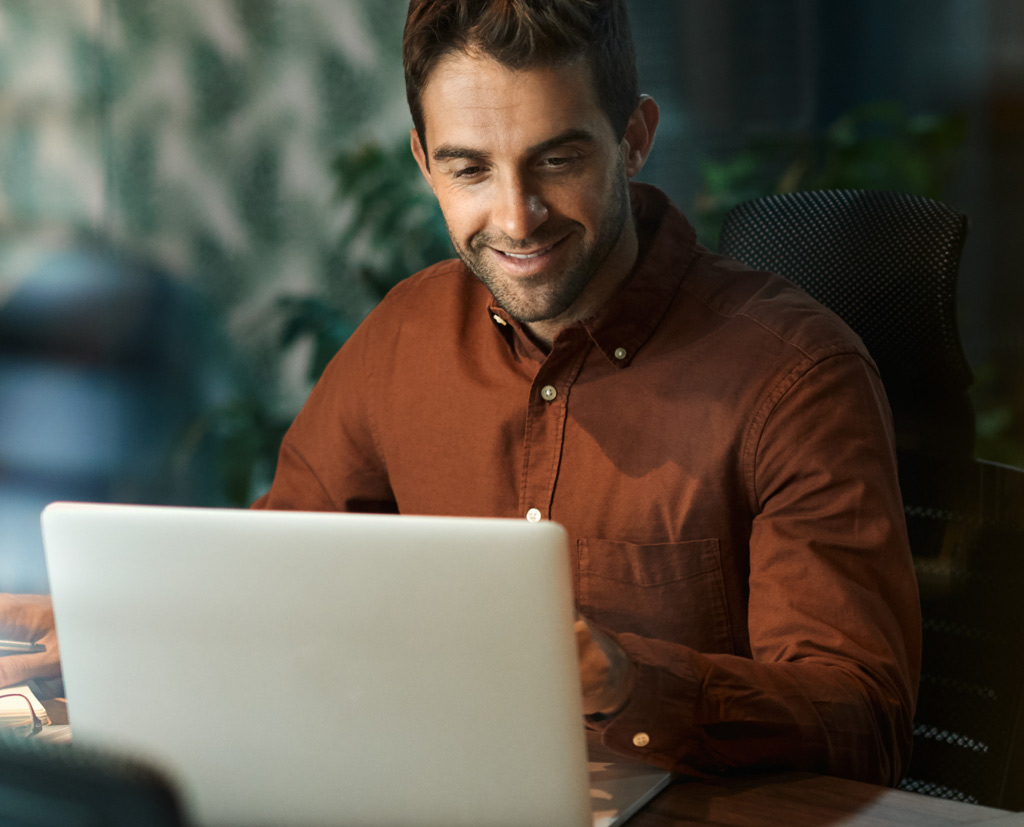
[547, 296]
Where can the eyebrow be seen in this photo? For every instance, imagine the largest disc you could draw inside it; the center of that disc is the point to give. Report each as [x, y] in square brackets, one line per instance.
[447, 152]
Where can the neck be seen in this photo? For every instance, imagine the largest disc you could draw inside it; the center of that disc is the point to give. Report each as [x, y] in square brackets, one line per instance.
[606, 281]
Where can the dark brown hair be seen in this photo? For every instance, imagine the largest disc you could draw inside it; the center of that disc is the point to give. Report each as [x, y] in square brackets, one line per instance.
[524, 33]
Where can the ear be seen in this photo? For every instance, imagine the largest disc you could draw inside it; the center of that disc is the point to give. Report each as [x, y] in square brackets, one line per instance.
[421, 158]
[639, 138]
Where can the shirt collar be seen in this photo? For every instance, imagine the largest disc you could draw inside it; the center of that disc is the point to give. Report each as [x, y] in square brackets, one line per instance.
[667, 246]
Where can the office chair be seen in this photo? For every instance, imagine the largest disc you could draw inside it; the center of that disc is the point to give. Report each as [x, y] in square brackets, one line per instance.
[887, 263]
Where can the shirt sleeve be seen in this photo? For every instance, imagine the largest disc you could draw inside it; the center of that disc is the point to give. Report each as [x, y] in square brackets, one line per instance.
[329, 458]
[833, 609]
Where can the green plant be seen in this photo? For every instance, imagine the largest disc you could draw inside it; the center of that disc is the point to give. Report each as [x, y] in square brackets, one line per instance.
[874, 146]
[999, 404]
[396, 227]
[393, 229]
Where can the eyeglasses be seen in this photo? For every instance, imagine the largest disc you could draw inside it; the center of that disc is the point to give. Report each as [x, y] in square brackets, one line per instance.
[17, 718]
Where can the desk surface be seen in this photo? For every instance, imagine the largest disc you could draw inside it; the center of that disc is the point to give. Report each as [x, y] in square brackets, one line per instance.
[793, 800]
[799, 800]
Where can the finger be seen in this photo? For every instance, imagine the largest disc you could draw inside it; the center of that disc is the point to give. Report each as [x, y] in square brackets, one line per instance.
[13, 669]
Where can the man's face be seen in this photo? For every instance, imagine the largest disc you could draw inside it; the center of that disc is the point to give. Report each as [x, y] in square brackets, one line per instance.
[532, 183]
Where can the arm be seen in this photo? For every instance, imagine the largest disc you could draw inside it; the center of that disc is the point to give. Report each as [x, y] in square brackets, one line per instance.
[329, 459]
[833, 616]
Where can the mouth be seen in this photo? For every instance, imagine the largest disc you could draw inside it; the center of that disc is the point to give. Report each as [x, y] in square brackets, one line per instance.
[526, 256]
[527, 264]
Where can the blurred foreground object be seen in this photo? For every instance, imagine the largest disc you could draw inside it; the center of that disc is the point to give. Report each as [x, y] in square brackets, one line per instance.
[64, 786]
[104, 363]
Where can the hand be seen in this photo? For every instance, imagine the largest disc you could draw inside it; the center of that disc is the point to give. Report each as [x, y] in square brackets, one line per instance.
[606, 673]
[28, 617]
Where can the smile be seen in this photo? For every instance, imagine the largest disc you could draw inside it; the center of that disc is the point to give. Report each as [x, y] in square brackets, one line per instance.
[526, 264]
[526, 256]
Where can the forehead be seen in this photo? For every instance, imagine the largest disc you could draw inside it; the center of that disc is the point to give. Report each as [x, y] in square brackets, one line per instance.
[471, 99]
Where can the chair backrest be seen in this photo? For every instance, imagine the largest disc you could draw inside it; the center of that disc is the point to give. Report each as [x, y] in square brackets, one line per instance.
[887, 264]
[965, 519]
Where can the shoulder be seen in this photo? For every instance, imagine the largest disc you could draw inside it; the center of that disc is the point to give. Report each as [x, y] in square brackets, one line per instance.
[431, 300]
[429, 318]
[439, 279]
[443, 287]
[769, 310]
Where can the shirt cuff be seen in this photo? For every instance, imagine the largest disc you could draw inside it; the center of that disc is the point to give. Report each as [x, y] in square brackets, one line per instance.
[656, 724]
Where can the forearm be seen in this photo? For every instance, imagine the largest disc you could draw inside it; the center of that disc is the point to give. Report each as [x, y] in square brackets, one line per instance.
[708, 714]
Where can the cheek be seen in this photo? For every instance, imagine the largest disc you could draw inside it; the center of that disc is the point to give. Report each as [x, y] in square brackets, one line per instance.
[586, 198]
[463, 213]
[585, 204]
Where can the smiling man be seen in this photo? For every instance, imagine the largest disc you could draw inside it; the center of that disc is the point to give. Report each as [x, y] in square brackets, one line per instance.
[716, 444]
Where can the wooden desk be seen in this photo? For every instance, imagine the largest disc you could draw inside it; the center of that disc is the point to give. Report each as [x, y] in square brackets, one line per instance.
[57, 709]
[795, 800]
[801, 800]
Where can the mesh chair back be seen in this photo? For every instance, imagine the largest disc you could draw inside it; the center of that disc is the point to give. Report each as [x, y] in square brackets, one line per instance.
[887, 263]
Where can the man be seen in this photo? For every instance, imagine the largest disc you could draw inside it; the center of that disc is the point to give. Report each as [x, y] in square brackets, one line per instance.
[716, 444]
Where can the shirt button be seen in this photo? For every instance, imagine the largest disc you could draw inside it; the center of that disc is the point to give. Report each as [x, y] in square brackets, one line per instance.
[620, 353]
[641, 739]
[533, 515]
[549, 392]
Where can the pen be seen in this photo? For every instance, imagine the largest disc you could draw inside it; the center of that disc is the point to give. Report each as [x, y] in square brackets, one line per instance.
[19, 647]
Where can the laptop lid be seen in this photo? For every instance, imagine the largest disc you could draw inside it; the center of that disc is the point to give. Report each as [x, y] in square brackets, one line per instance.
[301, 668]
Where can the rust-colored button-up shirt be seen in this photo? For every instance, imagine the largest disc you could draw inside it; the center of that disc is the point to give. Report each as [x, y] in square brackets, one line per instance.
[719, 448]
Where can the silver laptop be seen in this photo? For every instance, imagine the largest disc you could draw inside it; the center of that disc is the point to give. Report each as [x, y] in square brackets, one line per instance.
[296, 668]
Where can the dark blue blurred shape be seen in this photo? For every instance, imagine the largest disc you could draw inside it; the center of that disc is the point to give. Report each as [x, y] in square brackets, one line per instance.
[105, 364]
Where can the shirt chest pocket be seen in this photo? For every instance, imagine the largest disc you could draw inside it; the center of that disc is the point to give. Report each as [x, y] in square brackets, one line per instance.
[670, 591]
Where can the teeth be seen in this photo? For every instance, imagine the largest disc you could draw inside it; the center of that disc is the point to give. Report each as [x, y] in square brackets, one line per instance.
[528, 255]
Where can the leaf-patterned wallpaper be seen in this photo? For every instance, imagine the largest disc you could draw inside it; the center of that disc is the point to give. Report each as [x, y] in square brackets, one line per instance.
[196, 134]
[195, 139]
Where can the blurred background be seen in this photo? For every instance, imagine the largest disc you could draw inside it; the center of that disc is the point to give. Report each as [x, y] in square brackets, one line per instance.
[200, 199]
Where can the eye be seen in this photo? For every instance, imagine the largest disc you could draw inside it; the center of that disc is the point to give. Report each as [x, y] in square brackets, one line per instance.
[468, 172]
[562, 161]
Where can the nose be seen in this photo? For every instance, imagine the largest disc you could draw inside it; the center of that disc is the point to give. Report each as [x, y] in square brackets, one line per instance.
[519, 208]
